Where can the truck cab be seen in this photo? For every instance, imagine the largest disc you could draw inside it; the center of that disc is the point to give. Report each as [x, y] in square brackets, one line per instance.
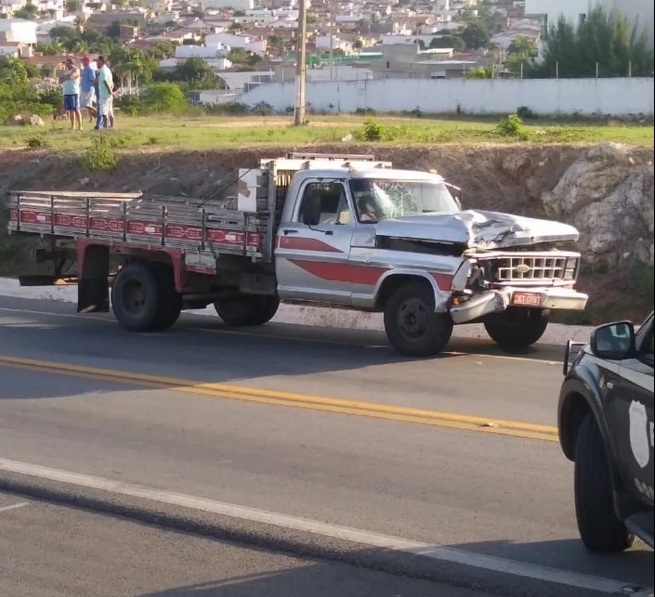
[363, 235]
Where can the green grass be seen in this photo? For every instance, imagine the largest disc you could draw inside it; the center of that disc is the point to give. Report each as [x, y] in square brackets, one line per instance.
[190, 132]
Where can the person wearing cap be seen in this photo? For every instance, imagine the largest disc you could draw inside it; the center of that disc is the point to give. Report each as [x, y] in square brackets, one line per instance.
[87, 88]
[70, 86]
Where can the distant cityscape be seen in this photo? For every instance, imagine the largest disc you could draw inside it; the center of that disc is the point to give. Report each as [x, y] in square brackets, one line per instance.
[250, 43]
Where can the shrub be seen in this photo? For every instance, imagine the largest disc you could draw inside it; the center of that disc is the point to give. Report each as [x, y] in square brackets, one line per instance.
[263, 109]
[232, 108]
[36, 142]
[372, 131]
[100, 156]
[526, 113]
[510, 126]
[164, 97]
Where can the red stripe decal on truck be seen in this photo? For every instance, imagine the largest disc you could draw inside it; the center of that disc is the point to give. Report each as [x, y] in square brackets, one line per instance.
[358, 274]
[341, 272]
[304, 244]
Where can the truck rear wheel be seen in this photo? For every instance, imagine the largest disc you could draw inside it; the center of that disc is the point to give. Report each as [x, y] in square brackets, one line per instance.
[517, 327]
[412, 326]
[143, 297]
[246, 310]
[170, 301]
[599, 527]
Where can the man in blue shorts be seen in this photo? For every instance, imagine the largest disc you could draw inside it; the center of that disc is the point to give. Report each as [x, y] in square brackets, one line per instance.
[70, 86]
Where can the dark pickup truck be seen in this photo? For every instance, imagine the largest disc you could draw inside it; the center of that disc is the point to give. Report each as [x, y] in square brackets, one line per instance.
[605, 421]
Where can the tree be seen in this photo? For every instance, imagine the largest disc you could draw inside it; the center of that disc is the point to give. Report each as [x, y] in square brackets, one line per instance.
[29, 12]
[48, 49]
[192, 73]
[276, 41]
[13, 72]
[476, 35]
[482, 72]
[114, 30]
[603, 40]
[162, 49]
[523, 46]
[453, 40]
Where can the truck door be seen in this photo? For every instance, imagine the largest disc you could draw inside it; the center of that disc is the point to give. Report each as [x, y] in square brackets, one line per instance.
[312, 249]
[631, 420]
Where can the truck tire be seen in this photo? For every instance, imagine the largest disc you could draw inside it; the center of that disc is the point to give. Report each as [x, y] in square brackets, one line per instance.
[412, 326]
[247, 310]
[517, 327]
[170, 303]
[599, 527]
[136, 297]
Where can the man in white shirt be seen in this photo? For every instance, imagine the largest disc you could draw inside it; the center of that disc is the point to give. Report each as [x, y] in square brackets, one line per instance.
[105, 95]
[70, 86]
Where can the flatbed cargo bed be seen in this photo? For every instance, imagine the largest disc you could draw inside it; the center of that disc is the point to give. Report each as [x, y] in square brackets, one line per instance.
[140, 220]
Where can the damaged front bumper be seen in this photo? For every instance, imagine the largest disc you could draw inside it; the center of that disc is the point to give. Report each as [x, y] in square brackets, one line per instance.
[499, 300]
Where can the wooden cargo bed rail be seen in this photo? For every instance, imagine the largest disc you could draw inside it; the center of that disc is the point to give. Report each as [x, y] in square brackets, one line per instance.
[134, 218]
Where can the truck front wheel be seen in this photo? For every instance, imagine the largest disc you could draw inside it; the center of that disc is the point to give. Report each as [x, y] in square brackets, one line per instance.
[517, 327]
[247, 310]
[599, 527]
[412, 326]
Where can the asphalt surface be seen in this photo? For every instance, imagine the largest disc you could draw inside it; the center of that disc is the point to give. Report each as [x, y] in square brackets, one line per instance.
[54, 551]
[478, 493]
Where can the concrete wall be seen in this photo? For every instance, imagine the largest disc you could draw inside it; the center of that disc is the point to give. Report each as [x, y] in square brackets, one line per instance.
[492, 96]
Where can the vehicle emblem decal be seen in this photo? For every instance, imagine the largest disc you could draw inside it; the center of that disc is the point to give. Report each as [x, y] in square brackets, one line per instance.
[522, 268]
[639, 441]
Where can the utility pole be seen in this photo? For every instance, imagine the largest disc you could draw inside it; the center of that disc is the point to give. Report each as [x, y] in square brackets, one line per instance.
[331, 40]
[301, 60]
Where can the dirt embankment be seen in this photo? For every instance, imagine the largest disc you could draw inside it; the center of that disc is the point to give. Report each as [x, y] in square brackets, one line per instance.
[609, 187]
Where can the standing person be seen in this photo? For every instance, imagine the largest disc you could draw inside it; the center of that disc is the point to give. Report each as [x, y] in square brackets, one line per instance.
[87, 88]
[105, 94]
[70, 85]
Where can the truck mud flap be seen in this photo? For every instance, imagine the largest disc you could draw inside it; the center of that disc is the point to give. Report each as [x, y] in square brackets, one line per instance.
[93, 295]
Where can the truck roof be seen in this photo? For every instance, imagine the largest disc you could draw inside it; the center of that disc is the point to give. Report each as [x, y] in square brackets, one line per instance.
[315, 165]
[371, 172]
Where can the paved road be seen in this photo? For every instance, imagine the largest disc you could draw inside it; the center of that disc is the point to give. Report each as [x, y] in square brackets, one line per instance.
[480, 494]
[54, 551]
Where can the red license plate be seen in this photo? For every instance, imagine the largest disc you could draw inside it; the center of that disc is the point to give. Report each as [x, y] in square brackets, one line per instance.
[528, 299]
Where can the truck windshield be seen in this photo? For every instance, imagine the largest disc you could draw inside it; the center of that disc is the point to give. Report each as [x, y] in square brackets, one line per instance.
[380, 199]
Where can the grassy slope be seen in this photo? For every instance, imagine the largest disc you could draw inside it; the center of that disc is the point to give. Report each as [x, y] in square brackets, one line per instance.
[202, 133]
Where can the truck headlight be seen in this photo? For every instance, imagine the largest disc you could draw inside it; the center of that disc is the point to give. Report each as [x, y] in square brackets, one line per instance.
[571, 269]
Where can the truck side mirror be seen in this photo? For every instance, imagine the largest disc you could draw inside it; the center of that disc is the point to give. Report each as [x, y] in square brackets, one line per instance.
[614, 341]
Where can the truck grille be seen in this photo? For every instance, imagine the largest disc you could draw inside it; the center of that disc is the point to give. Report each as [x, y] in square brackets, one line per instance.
[531, 268]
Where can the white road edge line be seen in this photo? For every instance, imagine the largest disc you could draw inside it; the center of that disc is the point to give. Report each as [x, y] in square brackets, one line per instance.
[13, 507]
[292, 338]
[446, 554]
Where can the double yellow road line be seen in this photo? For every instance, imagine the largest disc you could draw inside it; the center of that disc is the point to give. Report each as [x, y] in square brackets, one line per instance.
[335, 405]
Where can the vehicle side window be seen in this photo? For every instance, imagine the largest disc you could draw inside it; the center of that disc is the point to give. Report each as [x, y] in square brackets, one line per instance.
[324, 204]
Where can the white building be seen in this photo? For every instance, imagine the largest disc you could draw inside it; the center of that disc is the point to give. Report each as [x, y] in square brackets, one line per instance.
[208, 51]
[235, 4]
[323, 43]
[218, 64]
[637, 11]
[20, 31]
[9, 50]
[234, 41]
